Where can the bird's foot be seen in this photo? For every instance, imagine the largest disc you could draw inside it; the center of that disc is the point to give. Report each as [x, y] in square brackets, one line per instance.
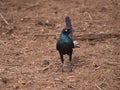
[62, 68]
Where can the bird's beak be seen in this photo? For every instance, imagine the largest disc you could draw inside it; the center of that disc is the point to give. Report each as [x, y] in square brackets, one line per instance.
[69, 29]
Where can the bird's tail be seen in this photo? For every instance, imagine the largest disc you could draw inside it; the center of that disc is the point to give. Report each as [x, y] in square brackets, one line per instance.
[69, 25]
[68, 22]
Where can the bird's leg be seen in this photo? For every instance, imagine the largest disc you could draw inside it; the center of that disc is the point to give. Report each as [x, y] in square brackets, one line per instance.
[70, 63]
[62, 60]
[62, 68]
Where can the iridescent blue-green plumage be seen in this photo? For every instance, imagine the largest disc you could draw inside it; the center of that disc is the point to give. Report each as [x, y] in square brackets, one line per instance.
[65, 45]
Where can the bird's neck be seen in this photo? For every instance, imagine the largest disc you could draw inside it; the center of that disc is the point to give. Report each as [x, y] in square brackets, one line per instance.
[64, 37]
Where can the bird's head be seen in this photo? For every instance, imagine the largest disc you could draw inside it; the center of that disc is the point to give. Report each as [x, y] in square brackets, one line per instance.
[67, 31]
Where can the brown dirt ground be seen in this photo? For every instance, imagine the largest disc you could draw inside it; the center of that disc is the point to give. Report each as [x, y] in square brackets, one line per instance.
[28, 56]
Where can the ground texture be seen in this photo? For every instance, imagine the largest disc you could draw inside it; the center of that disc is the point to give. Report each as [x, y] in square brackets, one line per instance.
[28, 56]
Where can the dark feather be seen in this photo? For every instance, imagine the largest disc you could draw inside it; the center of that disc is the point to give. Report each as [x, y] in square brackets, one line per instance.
[69, 25]
[65, 43]
[68, 22]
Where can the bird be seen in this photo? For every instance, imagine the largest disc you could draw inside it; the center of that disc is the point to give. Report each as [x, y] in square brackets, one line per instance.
[65, 43]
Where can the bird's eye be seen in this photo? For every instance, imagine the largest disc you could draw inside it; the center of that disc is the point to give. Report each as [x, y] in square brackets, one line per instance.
[66, 30]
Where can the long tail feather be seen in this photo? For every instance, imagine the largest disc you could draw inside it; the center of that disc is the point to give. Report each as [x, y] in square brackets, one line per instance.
[68, 22]
[68, 25]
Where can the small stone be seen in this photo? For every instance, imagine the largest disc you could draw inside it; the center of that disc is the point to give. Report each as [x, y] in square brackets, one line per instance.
[17, 53]
[5, 80]
[69, 86]
[45, 62]
[17, 87]
[21, 81]
[96, 65]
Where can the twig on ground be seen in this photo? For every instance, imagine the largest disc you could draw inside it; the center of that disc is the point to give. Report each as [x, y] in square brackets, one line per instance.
[33, 6]
[97, 36]
[4, 19]
[102, 81]
[44, 69]
[98, 86]
[88, 15]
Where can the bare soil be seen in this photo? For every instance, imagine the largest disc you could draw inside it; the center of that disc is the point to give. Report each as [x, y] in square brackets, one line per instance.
[28, 56]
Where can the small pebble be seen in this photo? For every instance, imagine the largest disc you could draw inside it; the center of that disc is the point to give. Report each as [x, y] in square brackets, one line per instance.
[45, 62]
